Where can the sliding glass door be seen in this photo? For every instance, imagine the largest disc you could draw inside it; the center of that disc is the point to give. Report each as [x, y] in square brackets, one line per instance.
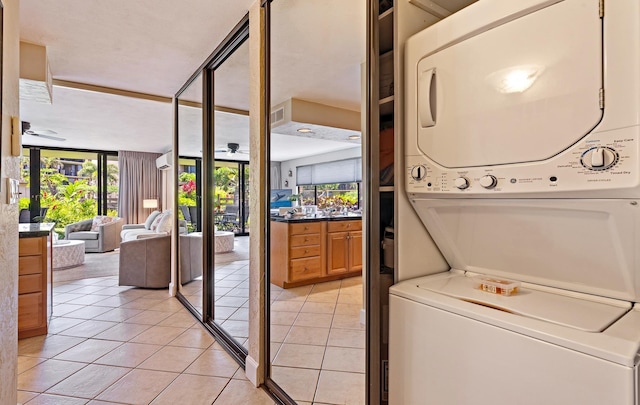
[212, 141]
[66, 186]
[231, 199]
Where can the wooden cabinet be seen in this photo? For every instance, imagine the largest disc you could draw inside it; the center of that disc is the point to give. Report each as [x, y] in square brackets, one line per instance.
[344, 247]
[33, 271]
[301, 251]
[297, 252]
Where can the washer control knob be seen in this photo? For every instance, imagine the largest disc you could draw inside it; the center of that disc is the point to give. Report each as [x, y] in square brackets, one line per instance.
[488, 181]
[418, 172]
[461, 183]
[599, 158]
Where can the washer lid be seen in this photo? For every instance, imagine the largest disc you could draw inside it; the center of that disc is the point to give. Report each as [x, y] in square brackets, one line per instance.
[578, 311]
[587, 246]
[517, 91]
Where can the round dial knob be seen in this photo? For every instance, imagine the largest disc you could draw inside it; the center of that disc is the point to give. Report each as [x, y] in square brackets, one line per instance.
[599, 158]
[418, 172]
[488, 181]
[461, 183]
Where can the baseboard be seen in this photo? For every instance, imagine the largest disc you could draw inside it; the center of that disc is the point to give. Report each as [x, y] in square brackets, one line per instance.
[251, 370]
[363, 316]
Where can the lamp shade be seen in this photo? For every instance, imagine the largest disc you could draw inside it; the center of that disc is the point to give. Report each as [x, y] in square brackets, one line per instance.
[149, 203]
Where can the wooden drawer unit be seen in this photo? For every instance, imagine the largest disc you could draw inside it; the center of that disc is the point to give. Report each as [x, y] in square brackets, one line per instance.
[304, 228]
[305, 240]
[302, 269]
[29, 283]
[30, 264]
[33, 272]
[344, 226]
[305, 251]
[300, 251]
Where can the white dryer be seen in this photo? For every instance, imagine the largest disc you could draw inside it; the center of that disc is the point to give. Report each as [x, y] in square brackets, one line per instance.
[522, 144]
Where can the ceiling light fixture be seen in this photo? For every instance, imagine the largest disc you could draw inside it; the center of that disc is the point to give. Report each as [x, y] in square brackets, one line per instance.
[305, 130]
[354, 137]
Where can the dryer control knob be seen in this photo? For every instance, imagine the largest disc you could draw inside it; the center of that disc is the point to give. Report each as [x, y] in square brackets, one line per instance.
[461, 183]
[599, 158]
[418, 172]
[488, 181]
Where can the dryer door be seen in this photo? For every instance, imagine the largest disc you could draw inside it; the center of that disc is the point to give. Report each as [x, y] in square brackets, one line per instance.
[521, 91]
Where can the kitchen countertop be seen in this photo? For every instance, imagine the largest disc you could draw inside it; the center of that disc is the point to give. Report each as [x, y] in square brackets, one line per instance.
[35, 230]
[350, 217]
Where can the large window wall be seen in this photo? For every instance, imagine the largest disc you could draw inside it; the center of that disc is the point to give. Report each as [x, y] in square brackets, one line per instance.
[66, 186]
[231, 196]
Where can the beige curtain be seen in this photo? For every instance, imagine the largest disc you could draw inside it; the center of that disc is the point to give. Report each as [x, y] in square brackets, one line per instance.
[140, 179]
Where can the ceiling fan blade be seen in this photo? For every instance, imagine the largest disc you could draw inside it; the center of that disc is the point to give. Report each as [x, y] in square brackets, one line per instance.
[40, 131]
[54, 138]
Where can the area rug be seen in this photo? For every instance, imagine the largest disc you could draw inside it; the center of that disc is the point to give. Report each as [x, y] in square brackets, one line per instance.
[95, 265]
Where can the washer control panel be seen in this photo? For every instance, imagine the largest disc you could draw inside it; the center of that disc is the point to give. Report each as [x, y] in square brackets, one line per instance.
[607, 160]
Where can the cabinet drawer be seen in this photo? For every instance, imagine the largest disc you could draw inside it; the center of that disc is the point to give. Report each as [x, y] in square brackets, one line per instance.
[344, 226]
[29, 246]
[30, 310]
[304, 240]
[305, 251]
[30, 265]
[29, 283]
[304, 228]
[305, 268]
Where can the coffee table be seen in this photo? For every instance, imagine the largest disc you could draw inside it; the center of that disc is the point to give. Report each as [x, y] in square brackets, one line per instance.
[67, 254]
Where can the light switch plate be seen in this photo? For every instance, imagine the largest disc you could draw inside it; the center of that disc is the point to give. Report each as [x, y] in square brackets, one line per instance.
[13, 191]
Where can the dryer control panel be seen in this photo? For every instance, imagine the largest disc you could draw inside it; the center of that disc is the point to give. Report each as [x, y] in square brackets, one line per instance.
[601, 161]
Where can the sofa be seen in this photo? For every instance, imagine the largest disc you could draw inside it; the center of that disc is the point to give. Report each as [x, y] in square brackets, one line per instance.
[99, 234]
[190, 248]
[146, 262]
[157, 224]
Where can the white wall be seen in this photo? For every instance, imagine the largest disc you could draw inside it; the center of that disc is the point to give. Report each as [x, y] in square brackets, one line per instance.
[9, 213]
[355, 152]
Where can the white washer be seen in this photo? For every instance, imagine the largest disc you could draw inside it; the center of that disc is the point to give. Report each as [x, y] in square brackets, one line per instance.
[522, 145]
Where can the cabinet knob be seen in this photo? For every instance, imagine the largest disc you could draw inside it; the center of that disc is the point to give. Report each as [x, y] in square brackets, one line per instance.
[348, 225]
[305, 269]
[306, 251]
[306, 240]
[306, 228]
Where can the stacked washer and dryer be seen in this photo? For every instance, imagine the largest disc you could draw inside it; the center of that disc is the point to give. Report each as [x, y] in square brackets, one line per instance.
[522, 161]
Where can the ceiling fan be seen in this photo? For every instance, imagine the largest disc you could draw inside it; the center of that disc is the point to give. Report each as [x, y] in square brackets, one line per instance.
[42, 133]
[232, 149]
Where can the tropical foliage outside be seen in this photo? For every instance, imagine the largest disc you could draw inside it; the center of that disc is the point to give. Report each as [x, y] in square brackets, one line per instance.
[69, 200]
[337, 196]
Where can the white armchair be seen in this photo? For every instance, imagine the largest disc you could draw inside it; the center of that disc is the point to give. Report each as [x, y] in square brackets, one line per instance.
[98, 235]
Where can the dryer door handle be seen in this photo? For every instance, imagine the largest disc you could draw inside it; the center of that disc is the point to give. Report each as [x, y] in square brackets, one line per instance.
[427, 98]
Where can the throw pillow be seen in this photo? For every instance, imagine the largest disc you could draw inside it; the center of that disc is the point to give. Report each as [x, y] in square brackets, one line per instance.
[150, 219]
[166, 223]
[101, 220]
[156, 222]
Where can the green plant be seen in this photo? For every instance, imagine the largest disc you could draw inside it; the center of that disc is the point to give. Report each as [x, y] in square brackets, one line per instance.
[294, 197]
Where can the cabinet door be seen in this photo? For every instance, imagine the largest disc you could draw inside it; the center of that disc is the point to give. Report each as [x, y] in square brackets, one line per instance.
[355, 251]
[337, 252]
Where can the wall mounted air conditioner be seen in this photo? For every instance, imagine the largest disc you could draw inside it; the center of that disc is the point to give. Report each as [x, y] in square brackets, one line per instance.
[165, 161]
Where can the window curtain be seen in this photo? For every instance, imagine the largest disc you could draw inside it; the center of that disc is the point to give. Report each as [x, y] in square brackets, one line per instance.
[276, 181]
[340, 171]
[140, 179]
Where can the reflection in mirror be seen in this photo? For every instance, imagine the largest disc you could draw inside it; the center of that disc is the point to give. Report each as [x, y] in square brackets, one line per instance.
[189, 192]
[317, 342]
[231, 200]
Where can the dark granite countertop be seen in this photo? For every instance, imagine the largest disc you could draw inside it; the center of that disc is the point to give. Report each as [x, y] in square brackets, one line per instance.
[317, 219]
[35, 230]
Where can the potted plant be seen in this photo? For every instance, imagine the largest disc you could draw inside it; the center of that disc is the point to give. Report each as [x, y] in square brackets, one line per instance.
[294, 198]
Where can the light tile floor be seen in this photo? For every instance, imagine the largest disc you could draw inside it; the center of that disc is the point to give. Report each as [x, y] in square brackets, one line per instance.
[110, 344]
[318, 342]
